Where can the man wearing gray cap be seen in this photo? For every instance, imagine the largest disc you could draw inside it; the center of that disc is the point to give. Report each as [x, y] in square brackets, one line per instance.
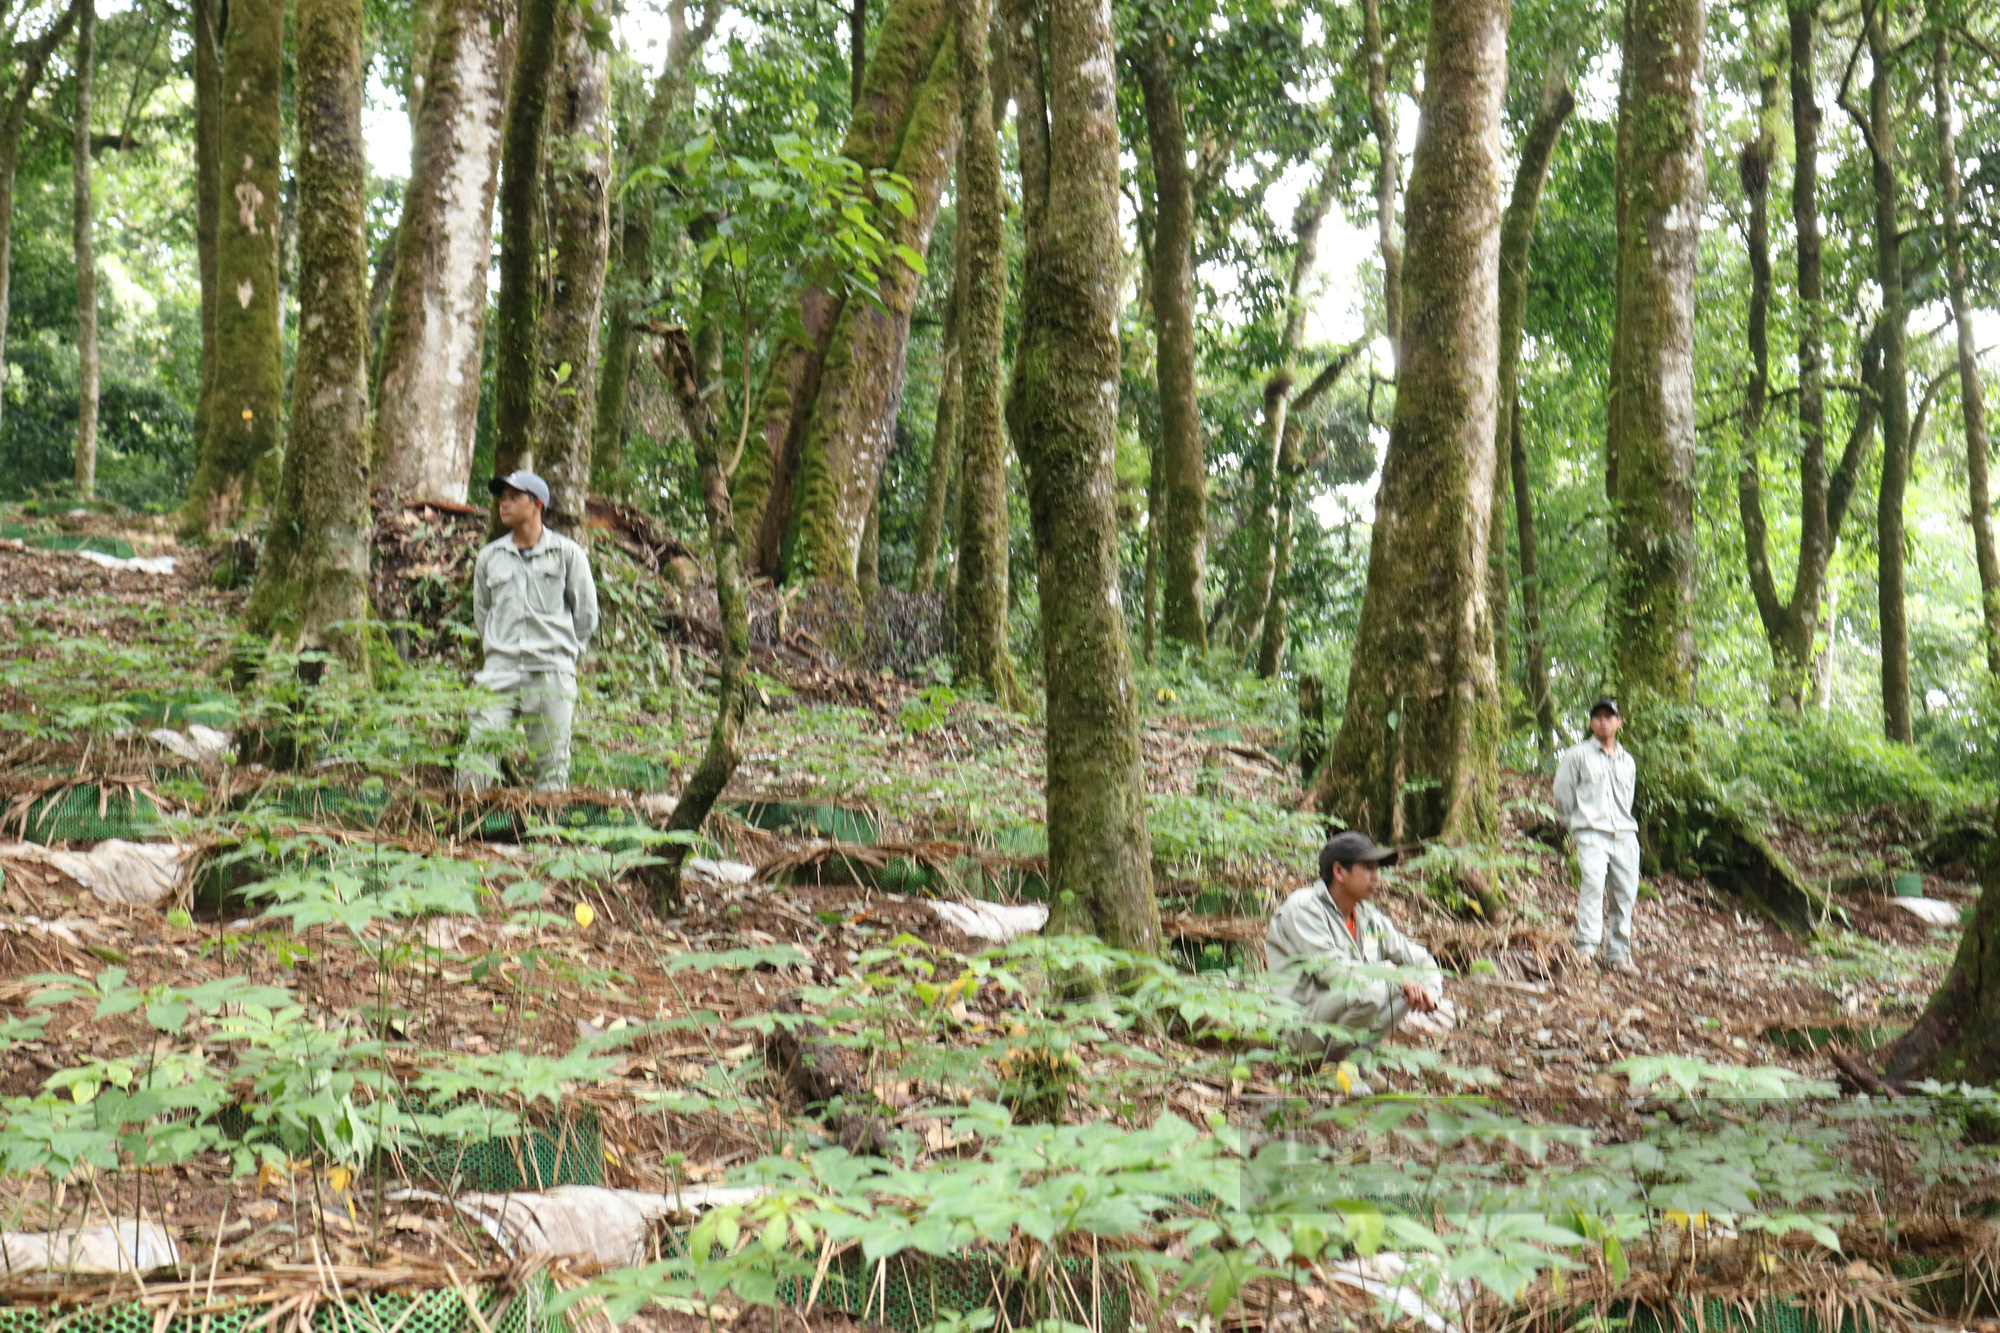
[1340, 952]
[535, 606]
[1594, 785]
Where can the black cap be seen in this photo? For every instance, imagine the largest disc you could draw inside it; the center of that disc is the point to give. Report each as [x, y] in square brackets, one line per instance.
[1352, 846]
[1605, 705]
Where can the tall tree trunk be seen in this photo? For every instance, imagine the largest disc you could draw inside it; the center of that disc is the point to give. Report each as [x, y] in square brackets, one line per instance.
[240, 453]
[22, 94]
[980, 594]
[1878, 132]
[1971, 395]
[1957, 1039]
[850, 428]
[1388, 167]
[517, 353]
[1183, 467]
[312, 579]
[1662, 190]
[1306, 223]
[688, 370]
[577, 204]
[900, 91]
[1534, 643]
[206, 42]
[1517, 234]
[629, 288]
[82, 217]
[857, 51]
[1290, 466]
[944, 437]
[1065, 426]
[1417, 751]
[435, 328]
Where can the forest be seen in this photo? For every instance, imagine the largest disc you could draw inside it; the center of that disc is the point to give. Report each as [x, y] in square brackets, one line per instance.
[1076, 666]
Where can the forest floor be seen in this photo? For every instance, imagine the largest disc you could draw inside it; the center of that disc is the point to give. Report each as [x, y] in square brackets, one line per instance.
[882, 776]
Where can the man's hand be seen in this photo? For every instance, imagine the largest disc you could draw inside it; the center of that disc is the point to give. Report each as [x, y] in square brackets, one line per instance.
[1419, 998]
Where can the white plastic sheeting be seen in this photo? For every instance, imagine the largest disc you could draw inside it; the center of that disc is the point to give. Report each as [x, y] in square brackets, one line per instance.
[1386, 1275]
[129, 874]
[197, 745]
[583, 1221]
[1936, 912]
[998, 922]
[125, 1247]
[145, 564]
[722, 872]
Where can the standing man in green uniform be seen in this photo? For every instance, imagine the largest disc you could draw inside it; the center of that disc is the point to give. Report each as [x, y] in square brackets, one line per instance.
[1338, 951]
[1594, 785]
[535, 607]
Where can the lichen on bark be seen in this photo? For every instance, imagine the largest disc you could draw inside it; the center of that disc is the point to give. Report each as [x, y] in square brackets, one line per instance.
[312, 578]
[434, 330]
[980, 590]
[239, 455]
[1661, 192]
[1416, 754]
[1183, 520]
[1062, 411]
[576, 204]
[851, 427]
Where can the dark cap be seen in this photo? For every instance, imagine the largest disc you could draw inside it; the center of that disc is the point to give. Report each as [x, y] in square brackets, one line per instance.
[1350, 847]
[527, 483]
[1605, 705]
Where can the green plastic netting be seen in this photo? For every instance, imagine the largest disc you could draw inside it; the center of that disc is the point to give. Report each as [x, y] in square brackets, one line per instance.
[911, 1292]
[568, 1152]
[86, 813]
[1770, 1315]
[442, 1311]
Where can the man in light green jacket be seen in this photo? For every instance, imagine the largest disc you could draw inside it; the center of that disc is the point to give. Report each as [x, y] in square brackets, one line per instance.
[535, 607]
[1348, 964]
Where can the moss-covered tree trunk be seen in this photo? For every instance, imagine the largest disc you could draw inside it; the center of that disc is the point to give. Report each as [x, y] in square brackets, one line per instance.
[313, 574]
[979, 593]
[82, 218]
[628, 290]
[1971, 395]
[1877, 126]
[517, 351]
[577, 205]
[32, 66]
[1416, 754]
[1261, 521]
[1183, 534]
[1062, 411]
[239, 455]
[850, 421]
[688, 370]
[1289, 467]
[434, 328]
[943, 461]
[1517, 232]
[1790, 624]
[1388, 167]
[207, 77]
[1958, 1037]
[1662, 189]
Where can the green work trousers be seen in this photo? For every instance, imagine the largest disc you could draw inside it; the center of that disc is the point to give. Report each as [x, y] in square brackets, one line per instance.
[544, 702]
[1370, 1012]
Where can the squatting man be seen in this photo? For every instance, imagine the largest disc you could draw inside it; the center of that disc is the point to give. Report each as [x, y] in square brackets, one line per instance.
[535, 607]
[1349, 965]
[1594, 784]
